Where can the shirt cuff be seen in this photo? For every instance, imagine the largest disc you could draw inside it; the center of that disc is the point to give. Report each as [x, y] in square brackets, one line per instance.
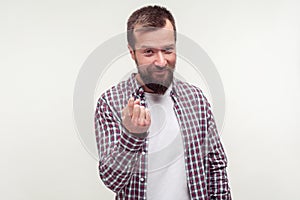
[131, 142]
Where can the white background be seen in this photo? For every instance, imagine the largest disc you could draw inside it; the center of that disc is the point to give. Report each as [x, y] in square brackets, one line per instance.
[255, 46]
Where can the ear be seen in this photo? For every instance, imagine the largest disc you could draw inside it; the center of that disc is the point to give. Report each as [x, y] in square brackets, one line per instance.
[131, 51]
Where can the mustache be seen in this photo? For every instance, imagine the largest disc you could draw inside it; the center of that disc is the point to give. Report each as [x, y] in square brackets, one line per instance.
[157, 68]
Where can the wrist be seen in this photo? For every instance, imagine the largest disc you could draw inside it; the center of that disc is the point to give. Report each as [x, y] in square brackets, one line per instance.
[139, 135]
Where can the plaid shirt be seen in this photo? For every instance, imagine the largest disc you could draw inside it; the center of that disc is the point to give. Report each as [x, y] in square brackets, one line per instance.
[123, 156]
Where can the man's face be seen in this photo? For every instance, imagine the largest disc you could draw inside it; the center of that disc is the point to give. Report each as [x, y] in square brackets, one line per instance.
[155, 56]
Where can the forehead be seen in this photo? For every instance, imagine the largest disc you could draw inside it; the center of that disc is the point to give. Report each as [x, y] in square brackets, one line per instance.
[154, 37]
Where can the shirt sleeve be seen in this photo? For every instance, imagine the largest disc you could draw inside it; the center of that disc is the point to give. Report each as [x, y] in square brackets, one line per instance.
[119, 151]
[217, 162]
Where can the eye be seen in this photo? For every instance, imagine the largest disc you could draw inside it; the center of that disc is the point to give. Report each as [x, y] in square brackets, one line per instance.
[168, 50]
[148, 52]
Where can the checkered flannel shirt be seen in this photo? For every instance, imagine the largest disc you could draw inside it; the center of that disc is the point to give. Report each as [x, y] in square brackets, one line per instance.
[123, 156]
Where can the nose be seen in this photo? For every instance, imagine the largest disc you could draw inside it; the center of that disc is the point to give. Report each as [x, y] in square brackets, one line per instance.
[160, 59]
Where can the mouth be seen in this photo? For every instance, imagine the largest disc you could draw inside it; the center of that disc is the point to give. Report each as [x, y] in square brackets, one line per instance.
[160, 71]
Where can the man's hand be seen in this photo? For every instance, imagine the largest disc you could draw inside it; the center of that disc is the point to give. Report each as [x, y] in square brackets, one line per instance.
[135, 118]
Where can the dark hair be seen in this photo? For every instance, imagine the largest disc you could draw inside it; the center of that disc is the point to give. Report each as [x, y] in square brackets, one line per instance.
[148, 16]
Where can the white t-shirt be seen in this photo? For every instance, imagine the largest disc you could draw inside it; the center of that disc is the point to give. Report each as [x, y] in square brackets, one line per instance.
[166, 171]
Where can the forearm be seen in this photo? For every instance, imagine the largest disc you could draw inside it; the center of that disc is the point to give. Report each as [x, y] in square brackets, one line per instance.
[217, 164]
[218, 179]
[119, 151]
[117, 167]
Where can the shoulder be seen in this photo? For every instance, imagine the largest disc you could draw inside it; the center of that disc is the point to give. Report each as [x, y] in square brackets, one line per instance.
[185, 89]
[192, 96]
[117, 91]
[118, 95]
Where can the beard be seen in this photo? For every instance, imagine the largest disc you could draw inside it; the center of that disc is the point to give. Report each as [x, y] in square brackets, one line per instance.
[157, 85]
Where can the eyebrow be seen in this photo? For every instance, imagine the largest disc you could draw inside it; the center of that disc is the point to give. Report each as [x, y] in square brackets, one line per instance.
[152, 47]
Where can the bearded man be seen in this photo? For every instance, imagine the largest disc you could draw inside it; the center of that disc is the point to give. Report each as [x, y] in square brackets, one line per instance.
[156, 135]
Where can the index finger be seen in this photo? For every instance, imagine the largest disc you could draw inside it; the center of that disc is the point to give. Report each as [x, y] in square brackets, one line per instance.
[130, 106]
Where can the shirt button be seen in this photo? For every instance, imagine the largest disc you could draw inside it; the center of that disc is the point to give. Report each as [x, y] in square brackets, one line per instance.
[142, 180]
